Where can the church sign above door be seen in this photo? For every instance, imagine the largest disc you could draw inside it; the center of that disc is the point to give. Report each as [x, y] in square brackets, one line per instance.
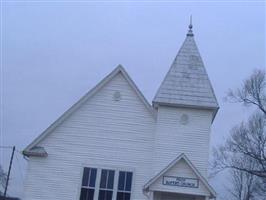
[180, 181]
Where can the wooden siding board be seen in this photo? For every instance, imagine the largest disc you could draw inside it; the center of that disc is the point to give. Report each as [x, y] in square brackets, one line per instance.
[173, 138]
[110, 134]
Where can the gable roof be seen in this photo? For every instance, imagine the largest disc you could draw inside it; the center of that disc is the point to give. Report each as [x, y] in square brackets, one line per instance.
[187, 82]
[29, 150]
[175, 161]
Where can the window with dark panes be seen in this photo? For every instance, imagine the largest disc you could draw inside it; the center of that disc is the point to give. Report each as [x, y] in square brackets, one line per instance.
[88, 183]
[124, 185]
[106, 184]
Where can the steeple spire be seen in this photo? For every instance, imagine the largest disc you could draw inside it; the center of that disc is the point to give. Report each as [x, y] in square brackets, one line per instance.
[187, 82]
[190, 33]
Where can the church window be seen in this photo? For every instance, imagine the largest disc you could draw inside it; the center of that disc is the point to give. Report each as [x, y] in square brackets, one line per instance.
[106, 185]
[124, 185]
[88, 183]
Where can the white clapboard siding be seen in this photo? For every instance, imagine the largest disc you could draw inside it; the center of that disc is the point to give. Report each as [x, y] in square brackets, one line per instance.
[173, 138]
[101, 132]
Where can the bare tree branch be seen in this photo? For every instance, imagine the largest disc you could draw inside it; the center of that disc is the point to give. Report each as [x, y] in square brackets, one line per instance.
[245, 186]
[3, 178]
[252, 91]
[247, 140]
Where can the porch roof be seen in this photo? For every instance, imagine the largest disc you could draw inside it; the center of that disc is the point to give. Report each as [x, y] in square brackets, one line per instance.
[174, 162]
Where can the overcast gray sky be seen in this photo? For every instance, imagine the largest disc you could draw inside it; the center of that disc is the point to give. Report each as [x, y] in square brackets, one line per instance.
[53, 53]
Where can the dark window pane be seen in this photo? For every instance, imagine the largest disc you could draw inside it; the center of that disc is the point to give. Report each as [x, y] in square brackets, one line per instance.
[101, 195]
[109, 195]
[103, 179]
[86, 194]
[120, 196]
[121, 180]
[127, 196]
[83, 194]
[123, 196]
[93, 177]
[105, 195]
[128, 181]
[90, 194]
[85, 178]
[110, 183]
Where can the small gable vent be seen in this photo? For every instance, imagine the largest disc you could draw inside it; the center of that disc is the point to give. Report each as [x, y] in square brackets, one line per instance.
[184, 119]
[117, 96]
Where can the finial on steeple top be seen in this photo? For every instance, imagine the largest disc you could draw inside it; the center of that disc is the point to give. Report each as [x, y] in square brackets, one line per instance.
[190, 25]
[190, 33]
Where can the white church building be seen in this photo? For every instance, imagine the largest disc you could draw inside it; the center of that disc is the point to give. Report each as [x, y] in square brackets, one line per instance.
[114, 145]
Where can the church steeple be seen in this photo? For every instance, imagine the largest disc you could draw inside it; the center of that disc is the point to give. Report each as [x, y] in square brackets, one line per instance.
[186, 83]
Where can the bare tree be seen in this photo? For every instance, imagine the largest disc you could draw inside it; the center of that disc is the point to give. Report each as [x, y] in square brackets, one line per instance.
[246, 186]
[3, 178]
[252, 92]
[247, 140]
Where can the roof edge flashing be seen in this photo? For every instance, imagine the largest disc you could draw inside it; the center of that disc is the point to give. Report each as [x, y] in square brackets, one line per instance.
[35, 152]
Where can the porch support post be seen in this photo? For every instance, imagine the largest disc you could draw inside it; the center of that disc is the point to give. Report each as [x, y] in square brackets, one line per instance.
[152, 195]
[207, 198]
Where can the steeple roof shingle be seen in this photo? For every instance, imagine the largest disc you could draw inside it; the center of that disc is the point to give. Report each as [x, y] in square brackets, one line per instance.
[187, 82]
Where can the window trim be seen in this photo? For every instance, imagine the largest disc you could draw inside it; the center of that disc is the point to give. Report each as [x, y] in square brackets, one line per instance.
[99, 168]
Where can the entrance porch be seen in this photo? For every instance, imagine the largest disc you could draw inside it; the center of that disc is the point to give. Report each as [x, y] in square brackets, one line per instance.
[176, 196]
